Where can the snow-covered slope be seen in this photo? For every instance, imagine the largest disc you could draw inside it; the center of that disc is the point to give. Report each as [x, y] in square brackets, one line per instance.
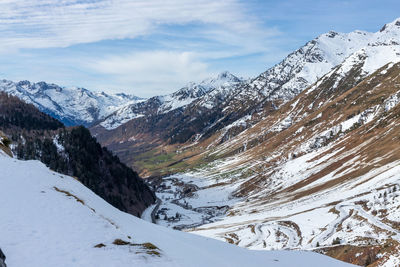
[72, 106]
[284, 81]
[231, 110]
[321, 172]
[193, 91]
[304, 66]
[330, 54]
[49, 219]
[225, 82]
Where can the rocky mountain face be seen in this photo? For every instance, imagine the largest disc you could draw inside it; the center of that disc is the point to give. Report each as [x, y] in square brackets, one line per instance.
[319, 171]
[32, 134]
[2, 259]
[72, 106]
[160, 129]
[161, 120]
[177, 100]
[304, 156]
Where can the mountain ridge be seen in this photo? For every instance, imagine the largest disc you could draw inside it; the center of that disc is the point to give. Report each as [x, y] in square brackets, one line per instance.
[238, 108]
[305, 156]
[176, 100]
[71, 105]
[320, 173]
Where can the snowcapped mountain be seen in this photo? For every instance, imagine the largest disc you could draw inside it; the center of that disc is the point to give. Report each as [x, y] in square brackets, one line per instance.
[163, 104]
[72, 106]
[308, 64]
[282, 82]
[306, 156]
[312, 162]
[320, 173]
[50, 219]
[230, 110]
[304, 66]
[193, 91]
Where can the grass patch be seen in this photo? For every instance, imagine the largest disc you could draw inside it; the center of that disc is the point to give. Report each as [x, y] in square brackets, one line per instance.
[334, 211]
[153, 252]
[149, 246]
[165, 161]
[69, 194]
[120, 242]
[5, 144]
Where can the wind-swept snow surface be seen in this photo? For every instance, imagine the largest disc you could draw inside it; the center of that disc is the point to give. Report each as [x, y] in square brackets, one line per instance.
[49, 219]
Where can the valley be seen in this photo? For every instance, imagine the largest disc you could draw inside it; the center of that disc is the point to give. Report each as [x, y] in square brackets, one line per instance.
[319, 173]
[63, 223]
[303, 157]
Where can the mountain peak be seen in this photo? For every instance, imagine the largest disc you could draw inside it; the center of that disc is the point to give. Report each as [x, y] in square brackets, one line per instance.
[331, 34]
[226, 75]
[224, 78]
[392, 25]
[72, 105]
[194, 89]
[24, 83]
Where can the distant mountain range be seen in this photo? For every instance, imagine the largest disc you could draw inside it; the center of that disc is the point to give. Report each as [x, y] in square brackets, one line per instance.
[72, 106]
[130, 126]
[194, 113]
[179, 99]
[305, 155]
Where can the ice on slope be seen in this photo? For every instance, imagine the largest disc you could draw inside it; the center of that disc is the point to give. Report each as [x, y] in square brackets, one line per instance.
[40, 226]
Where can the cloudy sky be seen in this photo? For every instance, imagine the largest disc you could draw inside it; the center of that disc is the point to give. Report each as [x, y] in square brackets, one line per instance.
[154, 47]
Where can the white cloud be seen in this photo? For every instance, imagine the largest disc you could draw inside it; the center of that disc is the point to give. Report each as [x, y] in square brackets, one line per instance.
[217, 30]
[153, 72]
[61, 23]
